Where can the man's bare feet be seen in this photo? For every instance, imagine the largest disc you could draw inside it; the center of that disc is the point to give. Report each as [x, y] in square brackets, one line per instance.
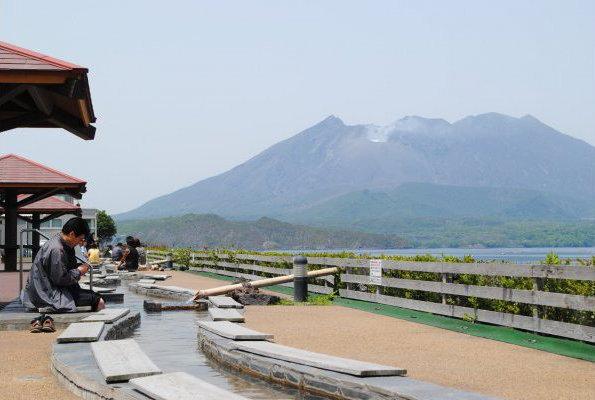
[100, 305]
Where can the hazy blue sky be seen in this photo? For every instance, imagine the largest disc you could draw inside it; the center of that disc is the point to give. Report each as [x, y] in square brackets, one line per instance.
[184, 90]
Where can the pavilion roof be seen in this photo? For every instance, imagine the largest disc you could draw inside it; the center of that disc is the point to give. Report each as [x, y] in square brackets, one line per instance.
[39, 91]
[48, 205]
[16, 171]
[17, 59]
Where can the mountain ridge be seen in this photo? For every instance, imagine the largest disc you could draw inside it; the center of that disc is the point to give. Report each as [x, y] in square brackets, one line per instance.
[331, 159]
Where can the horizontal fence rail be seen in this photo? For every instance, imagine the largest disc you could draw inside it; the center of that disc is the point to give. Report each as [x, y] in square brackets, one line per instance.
[355, 282]
[202, 263]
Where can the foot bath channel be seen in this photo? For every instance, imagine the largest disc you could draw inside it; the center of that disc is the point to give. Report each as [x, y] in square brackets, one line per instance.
[169, 340]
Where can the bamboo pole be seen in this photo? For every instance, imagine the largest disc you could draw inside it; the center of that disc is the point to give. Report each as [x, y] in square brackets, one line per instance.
[261, 283]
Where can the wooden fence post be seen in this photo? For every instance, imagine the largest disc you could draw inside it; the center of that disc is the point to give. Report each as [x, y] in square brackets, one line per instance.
[538, 284]
[444, 280]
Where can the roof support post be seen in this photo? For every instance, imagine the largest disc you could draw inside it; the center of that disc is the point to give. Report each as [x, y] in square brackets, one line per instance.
[10, 232]
[35, 235]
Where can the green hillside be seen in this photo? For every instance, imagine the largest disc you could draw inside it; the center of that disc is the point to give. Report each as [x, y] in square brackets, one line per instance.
[422, 200]
[265, 234]
[211, 231]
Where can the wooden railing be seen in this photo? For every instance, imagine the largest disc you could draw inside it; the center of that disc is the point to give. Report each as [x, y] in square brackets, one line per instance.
[355, 283]
[250, 271]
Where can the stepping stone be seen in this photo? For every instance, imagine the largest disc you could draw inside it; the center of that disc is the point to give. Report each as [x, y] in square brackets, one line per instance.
[318, 360]
[113, 297]
[107, 315]
[50, 310]
[96, 281]
[121, 360]
[146, 281]
[225, 314]
[224, 302]
[177, 289]
[81, 332]
[152, 305]
[233, 331]
[181, 386]
[158, 277]
[98, 289]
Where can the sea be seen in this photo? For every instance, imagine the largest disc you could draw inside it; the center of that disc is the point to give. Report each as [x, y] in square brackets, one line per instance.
[515, 255]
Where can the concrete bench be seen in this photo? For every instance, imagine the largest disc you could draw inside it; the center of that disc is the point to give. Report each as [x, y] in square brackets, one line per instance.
[121, 360]
[146, 281]
[224, 302]
[233, 331]
[225, 314]
[81, 332]
[317, 360]
[181, 386]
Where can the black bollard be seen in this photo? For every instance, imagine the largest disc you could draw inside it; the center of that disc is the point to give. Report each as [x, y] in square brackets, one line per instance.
[300, 279]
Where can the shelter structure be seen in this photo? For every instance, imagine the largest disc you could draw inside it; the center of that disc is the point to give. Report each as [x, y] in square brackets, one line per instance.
[39, 91]
[43, 211]
[23, 183]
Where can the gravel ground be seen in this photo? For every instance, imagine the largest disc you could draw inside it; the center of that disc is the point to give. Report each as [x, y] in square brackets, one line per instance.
[430, 354]
[25, 373]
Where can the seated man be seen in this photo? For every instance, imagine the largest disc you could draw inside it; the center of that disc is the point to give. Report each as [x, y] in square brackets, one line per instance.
[54, 276]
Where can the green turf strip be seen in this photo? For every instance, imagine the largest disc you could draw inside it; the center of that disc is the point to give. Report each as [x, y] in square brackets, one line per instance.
[564, 347]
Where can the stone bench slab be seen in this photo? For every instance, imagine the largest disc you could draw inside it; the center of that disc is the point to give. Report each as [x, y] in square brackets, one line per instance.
[107, 315]
[121, 360]
[224, 302]
[233, 331]
[225, 314]
[181, 386]
[146, 280]
[81, 332]
[318, 360]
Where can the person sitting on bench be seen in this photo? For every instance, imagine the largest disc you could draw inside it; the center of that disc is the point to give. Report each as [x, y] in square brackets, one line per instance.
[54, 276]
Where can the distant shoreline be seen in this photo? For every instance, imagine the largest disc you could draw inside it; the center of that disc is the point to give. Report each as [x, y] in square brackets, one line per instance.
[514, 254]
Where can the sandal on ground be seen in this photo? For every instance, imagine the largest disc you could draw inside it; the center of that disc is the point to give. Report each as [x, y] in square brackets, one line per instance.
[36, 325]
[48, 324]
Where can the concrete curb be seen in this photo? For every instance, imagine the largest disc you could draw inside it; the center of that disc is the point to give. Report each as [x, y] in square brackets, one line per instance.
[326, 383]
[312, 380]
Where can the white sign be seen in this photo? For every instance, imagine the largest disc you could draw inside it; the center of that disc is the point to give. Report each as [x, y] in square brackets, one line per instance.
[376, 272]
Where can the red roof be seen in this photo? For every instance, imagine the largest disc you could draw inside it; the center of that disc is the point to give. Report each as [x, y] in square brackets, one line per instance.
[16, 58]
[19, 170]
[47, 206]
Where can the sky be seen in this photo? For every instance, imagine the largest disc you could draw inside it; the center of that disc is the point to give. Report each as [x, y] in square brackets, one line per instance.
[184, 90]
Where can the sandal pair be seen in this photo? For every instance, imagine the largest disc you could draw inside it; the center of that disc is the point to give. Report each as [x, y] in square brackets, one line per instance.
[43, 323]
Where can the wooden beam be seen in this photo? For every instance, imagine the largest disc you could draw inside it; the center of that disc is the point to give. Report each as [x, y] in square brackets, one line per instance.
[32, 76]
[41, 99]
[72, 125]
[12, 93]
[37, 196]
[73, 88]
[29, 118]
